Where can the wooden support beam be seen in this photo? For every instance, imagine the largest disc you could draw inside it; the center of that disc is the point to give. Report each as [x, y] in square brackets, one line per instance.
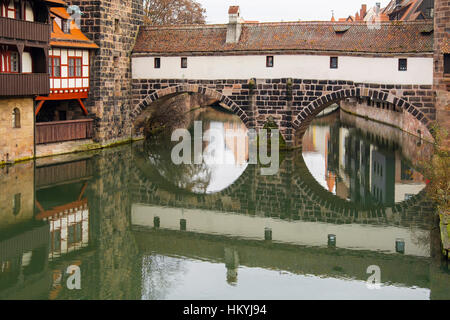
[41, 103]
[83, 107]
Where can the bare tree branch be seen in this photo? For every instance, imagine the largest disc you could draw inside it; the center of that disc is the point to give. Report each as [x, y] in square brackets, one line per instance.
[170, 12]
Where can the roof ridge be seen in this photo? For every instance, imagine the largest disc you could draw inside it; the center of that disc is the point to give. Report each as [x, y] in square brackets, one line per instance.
[183, 26]
[281, 23]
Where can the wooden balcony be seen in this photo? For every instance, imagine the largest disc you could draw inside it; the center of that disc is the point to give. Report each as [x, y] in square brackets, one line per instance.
[24, 84]
[24, 30]
[63, 173]
[60, 131]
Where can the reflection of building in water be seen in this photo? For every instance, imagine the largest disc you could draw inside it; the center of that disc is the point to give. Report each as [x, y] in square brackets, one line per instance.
[69, 227]
[23, 241]
[16, 195]
[383, 173]
[64, 205]
[359, 166]
[232, 137]
[23, 261]
[236, 140]
[316, 154]
[408, 181]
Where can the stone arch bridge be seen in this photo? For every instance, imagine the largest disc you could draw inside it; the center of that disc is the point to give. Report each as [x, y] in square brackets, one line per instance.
[291, 103]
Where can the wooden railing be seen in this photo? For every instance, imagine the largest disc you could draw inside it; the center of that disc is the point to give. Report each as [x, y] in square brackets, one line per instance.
[65, 172]
[24, 30]
[24, 84]
[59, 131]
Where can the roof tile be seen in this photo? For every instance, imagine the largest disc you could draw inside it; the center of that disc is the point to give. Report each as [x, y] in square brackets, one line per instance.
[308, 36]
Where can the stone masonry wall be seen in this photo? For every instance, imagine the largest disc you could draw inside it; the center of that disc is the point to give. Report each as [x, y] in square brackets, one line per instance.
[441, 46]
[17, 200]
[16, 143]
[292, 103]
[113, 26]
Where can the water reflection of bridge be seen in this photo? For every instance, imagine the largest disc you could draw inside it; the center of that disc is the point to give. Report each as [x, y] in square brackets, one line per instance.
[112, 261]
[292, 194]
[323, 262]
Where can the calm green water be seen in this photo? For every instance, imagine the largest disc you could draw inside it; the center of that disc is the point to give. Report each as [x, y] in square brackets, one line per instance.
[139, 227]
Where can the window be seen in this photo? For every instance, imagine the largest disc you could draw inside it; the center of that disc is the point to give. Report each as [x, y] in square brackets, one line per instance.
[333, 62]
[447, 63]
[54, 67]
[157, 63]
[116, 26]
[183, 63]
[402, 64]
[56, 240]
[65, 26]
[9, 61]
[6, 10]
[269, 61]
[75, 67]
[16, 118]
[14, 62]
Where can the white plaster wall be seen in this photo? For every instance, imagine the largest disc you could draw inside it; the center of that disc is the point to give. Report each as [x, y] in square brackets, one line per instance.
[29, 15]
[358, 69]
[27, 64]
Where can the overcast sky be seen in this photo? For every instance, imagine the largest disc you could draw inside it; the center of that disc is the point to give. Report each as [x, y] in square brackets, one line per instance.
[284, 10]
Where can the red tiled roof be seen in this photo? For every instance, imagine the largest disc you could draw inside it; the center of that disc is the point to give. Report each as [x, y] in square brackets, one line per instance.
[74, 39]
[60, 12]
[57, 2]
[307, 36]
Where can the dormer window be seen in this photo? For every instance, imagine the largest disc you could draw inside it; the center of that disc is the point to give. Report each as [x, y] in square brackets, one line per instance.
[66, 26]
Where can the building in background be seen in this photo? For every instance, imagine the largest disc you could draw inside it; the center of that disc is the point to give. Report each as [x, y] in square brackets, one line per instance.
[62, 115]
[401, 10]
[409, 10]
[24, 43]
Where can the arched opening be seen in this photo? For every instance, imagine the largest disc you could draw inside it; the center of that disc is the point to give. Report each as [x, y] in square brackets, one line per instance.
[375, 101]
[195, 96]
[365, 162]
[214, 146]
[16, 118]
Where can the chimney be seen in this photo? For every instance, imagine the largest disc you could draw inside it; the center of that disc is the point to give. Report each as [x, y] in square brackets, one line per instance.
[234, 25]
[363, 11]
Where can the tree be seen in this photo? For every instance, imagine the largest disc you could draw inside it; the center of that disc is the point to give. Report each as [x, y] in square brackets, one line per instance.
[170, 12]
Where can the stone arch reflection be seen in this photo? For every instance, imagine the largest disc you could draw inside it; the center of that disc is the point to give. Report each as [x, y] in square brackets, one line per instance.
[218, 157]
[364, 163]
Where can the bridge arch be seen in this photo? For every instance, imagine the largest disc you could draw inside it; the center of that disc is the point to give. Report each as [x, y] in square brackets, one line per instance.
[175, 90]
[308, 113]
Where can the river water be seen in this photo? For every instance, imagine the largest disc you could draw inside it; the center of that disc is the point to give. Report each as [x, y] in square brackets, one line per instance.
[350, 205]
